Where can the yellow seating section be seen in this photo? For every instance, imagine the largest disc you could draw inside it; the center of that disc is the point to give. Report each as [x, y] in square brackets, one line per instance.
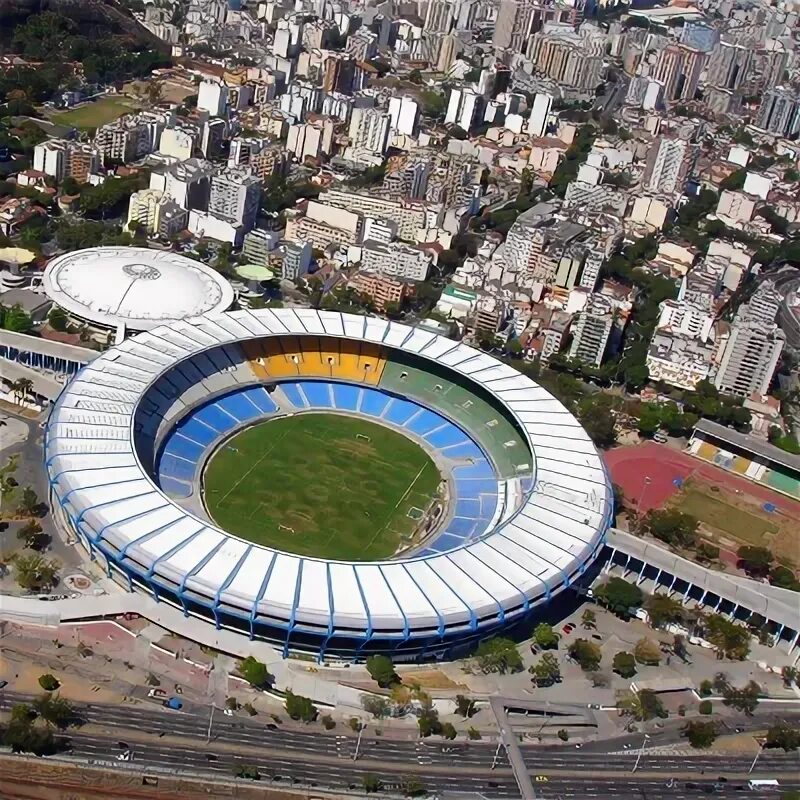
[707, 451]
[741, 465]
[315, 357]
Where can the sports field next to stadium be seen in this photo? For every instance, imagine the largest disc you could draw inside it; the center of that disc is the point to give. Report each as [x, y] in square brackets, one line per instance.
[323, 485]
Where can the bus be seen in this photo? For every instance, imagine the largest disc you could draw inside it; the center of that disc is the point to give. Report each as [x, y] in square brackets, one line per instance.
[762, 784]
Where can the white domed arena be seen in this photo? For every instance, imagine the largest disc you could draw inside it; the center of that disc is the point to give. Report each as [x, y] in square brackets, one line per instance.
[263, 471]
[134, 287]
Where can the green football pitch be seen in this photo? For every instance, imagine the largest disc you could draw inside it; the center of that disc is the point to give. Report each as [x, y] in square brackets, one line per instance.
[323, 485]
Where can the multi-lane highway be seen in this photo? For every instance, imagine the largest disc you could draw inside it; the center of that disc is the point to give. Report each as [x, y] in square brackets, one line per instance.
[160, 739]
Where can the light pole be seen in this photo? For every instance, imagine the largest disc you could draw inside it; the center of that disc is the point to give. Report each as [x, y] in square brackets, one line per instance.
[758, 755]
[358, 741]
[641, 494]
[210, 721]
[641, 750]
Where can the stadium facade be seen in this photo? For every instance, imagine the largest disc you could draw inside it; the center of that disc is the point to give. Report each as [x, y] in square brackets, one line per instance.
[529, 499]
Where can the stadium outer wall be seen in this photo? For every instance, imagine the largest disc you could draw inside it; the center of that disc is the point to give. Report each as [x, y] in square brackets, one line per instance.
[405, 640]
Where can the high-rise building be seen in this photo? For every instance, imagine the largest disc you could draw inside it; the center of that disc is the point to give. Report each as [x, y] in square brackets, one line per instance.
[699, 35]
[369, 130]
[61, 159]
[296, 259]
[728, 65]
[235, 196]
[572, 58]
[257, 246]
[395, 259]
[678, 68]
[540, 112]
[463, 108]
[668, 165]
[591, 270]
[749, 357]
[188, 182]
[448, 50]
[404, 113]
[779, 112]
[213, 98]
[590, 334]
[514, 24]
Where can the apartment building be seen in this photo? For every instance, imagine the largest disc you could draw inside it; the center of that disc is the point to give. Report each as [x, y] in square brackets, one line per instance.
[409, 216]
[235, 196]
[382, 289]
[61, 159]
[395, 259]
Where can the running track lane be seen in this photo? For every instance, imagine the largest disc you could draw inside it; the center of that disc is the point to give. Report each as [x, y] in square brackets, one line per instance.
[629, 466]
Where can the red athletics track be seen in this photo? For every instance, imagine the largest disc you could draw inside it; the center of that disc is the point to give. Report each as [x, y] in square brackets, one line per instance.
[629, 466]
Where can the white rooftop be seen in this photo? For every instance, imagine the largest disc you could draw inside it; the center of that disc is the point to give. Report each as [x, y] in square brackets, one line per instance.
[134, 286]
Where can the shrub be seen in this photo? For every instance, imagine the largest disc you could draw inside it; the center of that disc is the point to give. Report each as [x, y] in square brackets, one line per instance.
[563, 735]
[49, 682]
[706, 707]
[474, 734]
[328, 722]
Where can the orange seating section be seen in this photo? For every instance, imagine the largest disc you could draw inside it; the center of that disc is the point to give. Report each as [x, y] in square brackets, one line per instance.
[315, 357]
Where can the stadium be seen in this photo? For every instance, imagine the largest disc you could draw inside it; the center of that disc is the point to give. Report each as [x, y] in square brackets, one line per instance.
[378, 488]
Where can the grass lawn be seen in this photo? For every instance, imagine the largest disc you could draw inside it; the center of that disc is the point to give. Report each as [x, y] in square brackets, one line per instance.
[95, 113]
[716, 513]
[311, 485]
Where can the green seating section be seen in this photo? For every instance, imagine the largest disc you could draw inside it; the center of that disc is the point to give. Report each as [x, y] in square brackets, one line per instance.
[443, 390]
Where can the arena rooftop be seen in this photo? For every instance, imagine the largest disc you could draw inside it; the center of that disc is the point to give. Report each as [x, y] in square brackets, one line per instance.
[134, 287]
[101, 445]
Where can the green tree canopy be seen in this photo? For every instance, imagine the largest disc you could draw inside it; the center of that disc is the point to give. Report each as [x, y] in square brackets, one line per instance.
[701, 735]
[381, 669]
[618, 595]
[300, 708]
[624, 664]
[255, 673]
[545, 636]
[498, 655]
[587, 654]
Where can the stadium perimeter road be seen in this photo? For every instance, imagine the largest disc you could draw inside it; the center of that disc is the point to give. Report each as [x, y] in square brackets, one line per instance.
[327, 759]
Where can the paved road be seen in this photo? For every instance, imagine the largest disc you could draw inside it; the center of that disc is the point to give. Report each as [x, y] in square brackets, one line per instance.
[313, 758]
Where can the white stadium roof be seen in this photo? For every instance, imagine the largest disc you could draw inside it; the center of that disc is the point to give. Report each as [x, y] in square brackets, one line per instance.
[134, 286]
[97, 476]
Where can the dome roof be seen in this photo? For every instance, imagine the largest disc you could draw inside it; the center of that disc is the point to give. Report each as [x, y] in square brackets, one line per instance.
[134, 286]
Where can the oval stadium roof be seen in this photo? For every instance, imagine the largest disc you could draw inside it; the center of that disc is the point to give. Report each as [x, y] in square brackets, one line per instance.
[134, 286]
[109, 496]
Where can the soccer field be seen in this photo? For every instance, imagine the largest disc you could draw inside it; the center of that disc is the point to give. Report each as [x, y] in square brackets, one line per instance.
[95, 113]
[323, 485]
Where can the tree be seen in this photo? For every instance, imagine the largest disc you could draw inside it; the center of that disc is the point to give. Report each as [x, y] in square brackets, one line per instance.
[587, 654]
[428, 723]
[784, 736]
[371, 783]
[300, 708]
[624, 664]
[382, 671]
[413, 787]
[701, 735]
[28, 505]
[378, 706]
[248, 771]
[706, 553]
[58, 319]
[34, 572]
[15, 319]
[498, 655]
[22, 735]
[448, 731]
[755, 561]
[563, 734]
[328, 722]
[647, 652]
[54, 709]
[744, 699]
[31, 534]
[643, 705]
[49, 682]
[545, 637]
[588, 620]
[671, 526]
[547, 670]
[663, 609]
[784, 578]
[255, 673]
[465, 706]
[706, 707]
[598, 420]
[619, 596]
[729, 639]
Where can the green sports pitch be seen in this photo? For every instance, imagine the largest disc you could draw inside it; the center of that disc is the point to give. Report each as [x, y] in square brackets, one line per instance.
[324, 485]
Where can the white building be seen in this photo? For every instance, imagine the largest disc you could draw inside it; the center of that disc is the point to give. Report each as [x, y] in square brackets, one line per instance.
[395, 259]
[540, 113]
[213, 98]
[369, 130]
[179, 143]
[404, 115]
[296, 259]
[235, 197]
[463, 108]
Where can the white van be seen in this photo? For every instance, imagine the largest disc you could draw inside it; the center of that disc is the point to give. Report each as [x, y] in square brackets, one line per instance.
[765, 784]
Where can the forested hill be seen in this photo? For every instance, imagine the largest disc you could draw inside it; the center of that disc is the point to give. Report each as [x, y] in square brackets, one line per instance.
[94, 19]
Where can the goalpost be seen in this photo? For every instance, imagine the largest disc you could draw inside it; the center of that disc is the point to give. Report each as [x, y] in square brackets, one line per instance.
[363, 437]
[286, 528]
